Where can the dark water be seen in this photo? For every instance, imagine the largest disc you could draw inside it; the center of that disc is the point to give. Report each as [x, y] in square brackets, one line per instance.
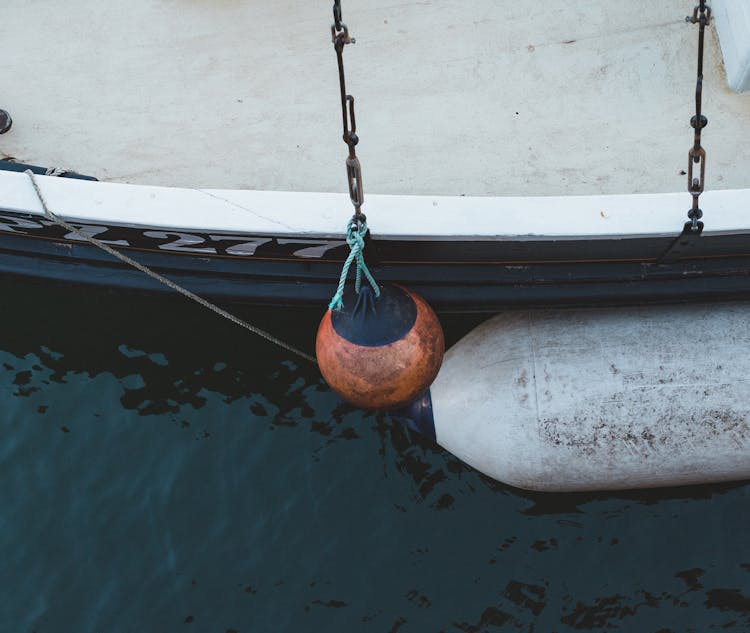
[163, 471]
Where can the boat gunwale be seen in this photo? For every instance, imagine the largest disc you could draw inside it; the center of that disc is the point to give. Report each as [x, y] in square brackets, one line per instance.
[319, 215]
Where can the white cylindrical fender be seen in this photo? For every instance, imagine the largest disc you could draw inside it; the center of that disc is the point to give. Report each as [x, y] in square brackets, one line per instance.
[601, 399]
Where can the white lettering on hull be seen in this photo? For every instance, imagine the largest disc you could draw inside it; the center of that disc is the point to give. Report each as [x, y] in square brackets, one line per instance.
[177, 241]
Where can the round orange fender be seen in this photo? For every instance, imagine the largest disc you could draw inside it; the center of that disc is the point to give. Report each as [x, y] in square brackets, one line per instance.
[380, 353]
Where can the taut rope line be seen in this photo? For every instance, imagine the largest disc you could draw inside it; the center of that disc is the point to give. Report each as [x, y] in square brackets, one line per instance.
[163, 280]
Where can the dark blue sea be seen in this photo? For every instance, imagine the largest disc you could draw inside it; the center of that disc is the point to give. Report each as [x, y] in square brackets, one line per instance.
[164, 471]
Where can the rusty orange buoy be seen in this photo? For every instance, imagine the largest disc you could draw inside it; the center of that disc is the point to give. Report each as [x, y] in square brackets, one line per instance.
[380, 353]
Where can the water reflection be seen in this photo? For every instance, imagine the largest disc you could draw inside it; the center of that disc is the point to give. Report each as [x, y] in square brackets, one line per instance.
[191, 477]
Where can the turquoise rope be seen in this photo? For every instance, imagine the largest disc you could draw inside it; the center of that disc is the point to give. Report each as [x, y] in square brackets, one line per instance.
[356, 240]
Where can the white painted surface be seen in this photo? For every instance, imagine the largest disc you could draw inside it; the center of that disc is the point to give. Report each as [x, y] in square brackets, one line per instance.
[601, 399]
[733, 26]
[414, 217]
[522, 98]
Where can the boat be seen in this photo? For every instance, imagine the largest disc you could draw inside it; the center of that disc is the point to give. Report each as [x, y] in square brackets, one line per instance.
[225, 174]
[515, 160]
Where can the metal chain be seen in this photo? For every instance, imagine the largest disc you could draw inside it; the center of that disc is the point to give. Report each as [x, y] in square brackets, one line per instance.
[163, 280]
[340, 37]
[697, 155]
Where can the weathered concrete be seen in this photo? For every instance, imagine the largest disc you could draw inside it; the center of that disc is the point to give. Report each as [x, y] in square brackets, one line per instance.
[492, 98]
[733, 26]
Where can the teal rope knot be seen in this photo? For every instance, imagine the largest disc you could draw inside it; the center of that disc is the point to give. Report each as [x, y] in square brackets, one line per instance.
[355, 238]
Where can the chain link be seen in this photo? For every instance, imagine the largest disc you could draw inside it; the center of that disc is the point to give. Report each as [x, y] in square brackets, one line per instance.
[337, 25]
[340, 36]
[697, 155]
